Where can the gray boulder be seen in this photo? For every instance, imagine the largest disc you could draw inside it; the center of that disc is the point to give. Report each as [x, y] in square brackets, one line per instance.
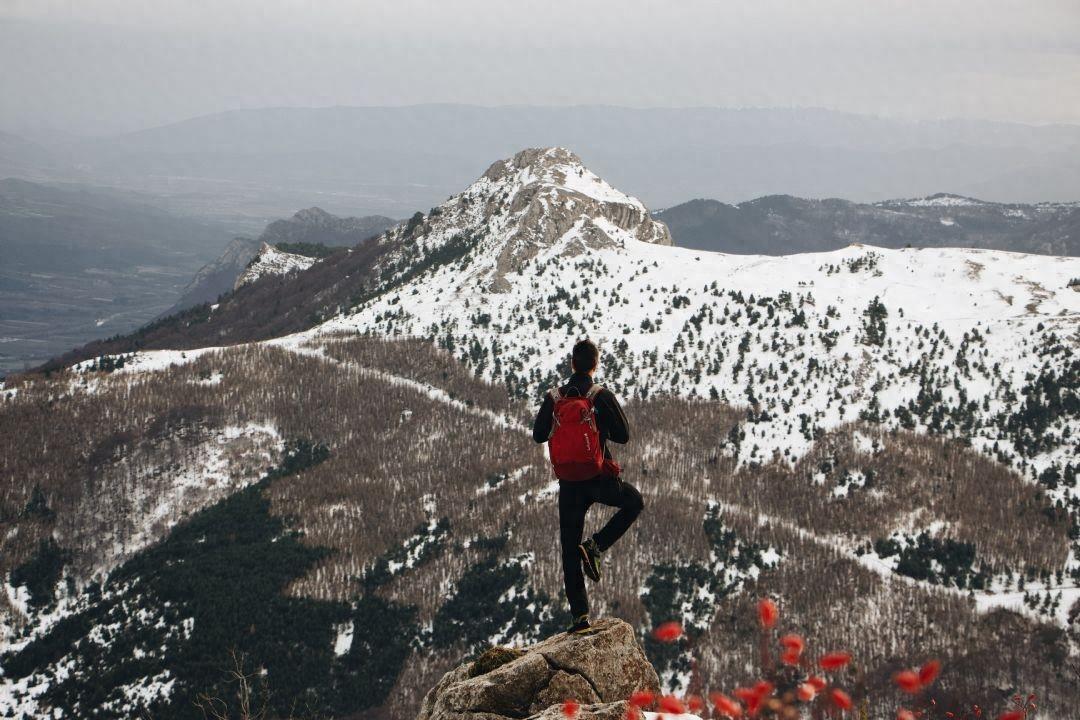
[599, 668]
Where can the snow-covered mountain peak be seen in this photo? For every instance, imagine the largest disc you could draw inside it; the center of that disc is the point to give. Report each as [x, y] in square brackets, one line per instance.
[556, 168]
[542, 201]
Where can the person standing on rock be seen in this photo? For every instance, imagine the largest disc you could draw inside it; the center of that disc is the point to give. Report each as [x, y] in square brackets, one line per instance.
[577, 420]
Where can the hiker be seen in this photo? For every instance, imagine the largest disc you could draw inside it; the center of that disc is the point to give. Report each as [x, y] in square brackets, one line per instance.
[577, 420]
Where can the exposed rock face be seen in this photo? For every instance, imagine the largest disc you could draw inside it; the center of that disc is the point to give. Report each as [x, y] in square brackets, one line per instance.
[600, 669]
[218, 276]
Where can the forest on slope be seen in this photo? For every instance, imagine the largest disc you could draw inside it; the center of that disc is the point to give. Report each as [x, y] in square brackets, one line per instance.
[411, 552]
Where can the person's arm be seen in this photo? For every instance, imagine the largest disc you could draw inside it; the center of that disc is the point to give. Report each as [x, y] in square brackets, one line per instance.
[618, 430]
[542, 424]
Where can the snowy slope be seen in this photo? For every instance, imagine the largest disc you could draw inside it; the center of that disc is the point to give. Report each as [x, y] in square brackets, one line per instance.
[540, 251]
[673, 320]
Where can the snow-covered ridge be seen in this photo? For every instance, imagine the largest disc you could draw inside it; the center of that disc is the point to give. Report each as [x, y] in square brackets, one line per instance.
[508, 273]
[812, 340]
[942, 200]
[271, 261]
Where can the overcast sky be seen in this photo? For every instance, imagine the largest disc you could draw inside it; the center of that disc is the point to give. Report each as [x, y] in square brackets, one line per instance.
[96, 66]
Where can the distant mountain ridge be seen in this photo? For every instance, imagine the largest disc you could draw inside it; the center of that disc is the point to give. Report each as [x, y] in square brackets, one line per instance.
[393, 160]
[311, 231]
[315, 225]
[782, 224]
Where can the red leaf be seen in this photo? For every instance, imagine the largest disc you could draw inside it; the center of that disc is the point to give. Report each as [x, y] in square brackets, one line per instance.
[840, 699]
[793, 643]
[570, 708]
[1014, 715]
[908, 681]
[642, 699]
[694, 704]
[726, 706]
[667, 632]
[928, 673]
[751, 698]
[789, 657]
[672, 704]
[817, 681]
[768, 613]
[904, 714]
[764, 689]
[834, 660]
[745, 694]
[807, 692]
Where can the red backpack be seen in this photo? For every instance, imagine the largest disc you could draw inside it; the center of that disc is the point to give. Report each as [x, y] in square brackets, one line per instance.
[574, 445]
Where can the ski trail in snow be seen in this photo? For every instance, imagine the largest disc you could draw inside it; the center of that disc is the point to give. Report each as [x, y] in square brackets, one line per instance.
[836, 542]
[982, 601]
[431, 391]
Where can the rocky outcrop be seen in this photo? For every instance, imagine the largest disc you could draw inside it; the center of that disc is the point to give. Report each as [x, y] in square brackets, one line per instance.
[315, 225]
[557, 200]
[599, 668]
[219, 276]
[541, 201]
[271, 261]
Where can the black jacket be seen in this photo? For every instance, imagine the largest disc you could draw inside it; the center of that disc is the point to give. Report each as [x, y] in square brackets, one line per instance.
[610, 420]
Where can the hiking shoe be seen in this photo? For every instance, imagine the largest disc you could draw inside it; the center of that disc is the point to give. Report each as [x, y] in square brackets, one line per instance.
[590, 559]
[581, 624]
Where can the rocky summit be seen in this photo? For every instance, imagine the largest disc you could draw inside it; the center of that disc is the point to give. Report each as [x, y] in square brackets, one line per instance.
[542, 200]
[599, 668]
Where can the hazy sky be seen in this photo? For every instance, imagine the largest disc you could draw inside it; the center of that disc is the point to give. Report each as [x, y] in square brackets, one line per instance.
[95, 66]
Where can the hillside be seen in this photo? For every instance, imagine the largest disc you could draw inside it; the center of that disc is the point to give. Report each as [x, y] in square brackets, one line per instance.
[781, 224]
[339, 461]
[311, 232]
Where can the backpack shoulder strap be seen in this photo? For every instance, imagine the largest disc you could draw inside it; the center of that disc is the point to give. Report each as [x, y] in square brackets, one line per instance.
[556, 395]
[594, 390]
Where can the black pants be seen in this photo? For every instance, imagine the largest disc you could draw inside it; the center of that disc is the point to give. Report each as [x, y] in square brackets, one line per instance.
[575, 499]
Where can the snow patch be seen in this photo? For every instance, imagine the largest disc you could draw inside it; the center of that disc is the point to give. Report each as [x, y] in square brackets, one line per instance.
[271, 261]
[944, 201]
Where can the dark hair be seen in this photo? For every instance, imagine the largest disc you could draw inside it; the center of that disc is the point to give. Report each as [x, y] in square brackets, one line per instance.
[585, 355]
